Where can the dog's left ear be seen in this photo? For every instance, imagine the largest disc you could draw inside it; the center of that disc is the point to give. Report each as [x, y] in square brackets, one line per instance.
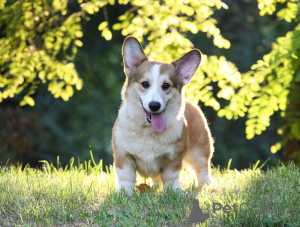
[187, 65]
[133, 55]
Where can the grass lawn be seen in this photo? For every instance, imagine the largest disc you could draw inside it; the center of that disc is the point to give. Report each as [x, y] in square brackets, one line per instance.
[81, 195]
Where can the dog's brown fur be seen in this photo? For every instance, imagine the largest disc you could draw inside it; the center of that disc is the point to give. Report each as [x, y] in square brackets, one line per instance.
[186, 138]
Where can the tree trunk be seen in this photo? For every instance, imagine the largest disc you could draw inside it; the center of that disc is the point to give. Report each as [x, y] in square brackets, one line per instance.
[292, 123]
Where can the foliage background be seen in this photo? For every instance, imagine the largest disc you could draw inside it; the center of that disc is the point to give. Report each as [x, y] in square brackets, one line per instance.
[72, 128]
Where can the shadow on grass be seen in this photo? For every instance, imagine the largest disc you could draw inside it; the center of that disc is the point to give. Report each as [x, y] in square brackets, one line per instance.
[266, 199]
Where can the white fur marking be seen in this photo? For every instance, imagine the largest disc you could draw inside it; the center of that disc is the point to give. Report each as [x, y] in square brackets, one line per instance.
[154, 92]
[126, 178]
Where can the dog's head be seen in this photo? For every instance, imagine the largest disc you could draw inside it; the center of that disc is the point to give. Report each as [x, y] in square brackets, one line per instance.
[156, 87]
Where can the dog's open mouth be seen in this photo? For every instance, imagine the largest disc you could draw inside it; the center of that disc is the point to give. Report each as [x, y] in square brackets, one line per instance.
[157, 120]
[148, 116]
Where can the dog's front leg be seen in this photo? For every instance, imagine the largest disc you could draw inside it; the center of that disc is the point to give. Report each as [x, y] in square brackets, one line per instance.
[126, 177]
[169, 177]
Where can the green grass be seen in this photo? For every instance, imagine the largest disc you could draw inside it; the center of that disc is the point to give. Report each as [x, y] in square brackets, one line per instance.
[83, 195]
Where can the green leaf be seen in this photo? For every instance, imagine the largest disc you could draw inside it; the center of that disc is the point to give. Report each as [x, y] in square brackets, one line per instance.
[78, 34]
[65, 96]
[29, 100]
[103, 25]
[23, 103]
[69, 90]
[79, 84]
[276, 147]
[106, 33]
[117, 26]
[228, 115]
[78, 43]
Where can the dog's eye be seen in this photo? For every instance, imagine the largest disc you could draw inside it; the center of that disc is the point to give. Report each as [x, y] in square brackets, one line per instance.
[165, 86]
[145, 84]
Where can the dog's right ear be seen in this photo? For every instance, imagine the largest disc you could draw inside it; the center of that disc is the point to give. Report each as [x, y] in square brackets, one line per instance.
[187, 65]
[133, 55]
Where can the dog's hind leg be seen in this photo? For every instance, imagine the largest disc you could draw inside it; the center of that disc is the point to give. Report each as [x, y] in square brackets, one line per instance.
[199, 148]
[200, 165]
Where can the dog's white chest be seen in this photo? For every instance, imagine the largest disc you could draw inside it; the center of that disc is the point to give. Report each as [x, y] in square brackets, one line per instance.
[149, 148]
[148, 151]
[150, 156]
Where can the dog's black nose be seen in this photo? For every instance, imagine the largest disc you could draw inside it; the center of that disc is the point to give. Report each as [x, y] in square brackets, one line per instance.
[154, 106]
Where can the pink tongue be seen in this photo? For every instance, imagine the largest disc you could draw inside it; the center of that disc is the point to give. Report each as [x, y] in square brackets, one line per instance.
[158, 121]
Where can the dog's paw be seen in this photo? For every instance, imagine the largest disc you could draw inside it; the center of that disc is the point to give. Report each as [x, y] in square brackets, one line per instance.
[128, 187]
[125, 192]
[171, 190]
[180, 191]
[174, 186]
[205, 180]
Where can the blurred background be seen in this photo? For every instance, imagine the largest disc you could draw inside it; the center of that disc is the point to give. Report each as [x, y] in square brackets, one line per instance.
[54, 127]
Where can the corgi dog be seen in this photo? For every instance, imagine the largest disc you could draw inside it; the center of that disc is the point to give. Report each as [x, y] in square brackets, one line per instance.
[157, 130]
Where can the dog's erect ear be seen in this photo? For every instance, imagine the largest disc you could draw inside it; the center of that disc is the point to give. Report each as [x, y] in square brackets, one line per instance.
[187, 65]
[133, 54]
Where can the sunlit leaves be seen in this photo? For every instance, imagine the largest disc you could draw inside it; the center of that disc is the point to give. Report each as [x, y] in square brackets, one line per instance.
[288, 13]
[2, 3]
[39, 40]
[103, 25]
[259, 115]
[94, 6]
[267, 6]
[33, 35]
[268, 88]
[276, 147]
[27, 100]
[106, 33]
[78, 43]
[214, 70]
[159, 18]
